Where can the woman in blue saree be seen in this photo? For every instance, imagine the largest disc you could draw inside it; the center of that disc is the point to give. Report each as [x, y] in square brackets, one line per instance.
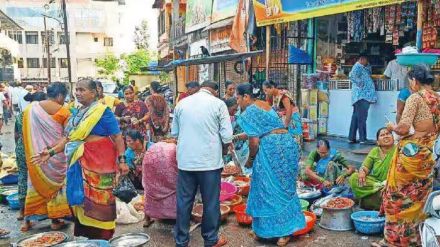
[274, 155]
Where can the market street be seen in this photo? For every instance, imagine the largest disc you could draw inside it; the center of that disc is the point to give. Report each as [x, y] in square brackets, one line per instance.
[161, 233]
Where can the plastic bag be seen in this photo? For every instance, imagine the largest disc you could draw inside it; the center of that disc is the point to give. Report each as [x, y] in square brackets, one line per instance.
[74, 185]
[127, 214]
[125, 190]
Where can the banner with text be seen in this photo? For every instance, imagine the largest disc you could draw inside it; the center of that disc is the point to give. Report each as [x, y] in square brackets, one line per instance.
[269, 12]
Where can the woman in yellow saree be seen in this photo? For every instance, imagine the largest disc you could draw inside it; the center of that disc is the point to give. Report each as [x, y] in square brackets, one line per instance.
[409, 179]
[95, 153]
[43, 124]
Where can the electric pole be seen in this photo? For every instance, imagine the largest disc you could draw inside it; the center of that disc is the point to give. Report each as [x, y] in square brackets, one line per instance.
[67, 39]
[48, 62]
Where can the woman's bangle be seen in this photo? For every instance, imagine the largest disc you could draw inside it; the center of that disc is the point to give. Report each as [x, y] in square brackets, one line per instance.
[51, 152]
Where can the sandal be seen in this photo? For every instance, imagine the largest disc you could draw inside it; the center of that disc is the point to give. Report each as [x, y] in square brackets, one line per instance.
[57, 225]
[221, 242]
[381, 243]
[253, 235]
[148, 223]
[283, 241]
[26, 226]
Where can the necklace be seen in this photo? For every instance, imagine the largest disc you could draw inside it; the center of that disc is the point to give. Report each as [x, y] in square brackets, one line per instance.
[77, 118]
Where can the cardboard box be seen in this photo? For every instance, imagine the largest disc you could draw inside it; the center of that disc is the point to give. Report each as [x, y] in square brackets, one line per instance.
[323, 110]
[313, 112]
[322, 126]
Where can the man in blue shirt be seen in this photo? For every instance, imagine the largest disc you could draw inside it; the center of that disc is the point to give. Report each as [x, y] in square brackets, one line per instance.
[363, 94]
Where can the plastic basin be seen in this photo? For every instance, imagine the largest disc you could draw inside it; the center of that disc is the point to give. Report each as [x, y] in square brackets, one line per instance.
[227, 191]
[243, 189]
[10, 179]
[13, 201]
[241, 216]
[310, 223]
[368, 222]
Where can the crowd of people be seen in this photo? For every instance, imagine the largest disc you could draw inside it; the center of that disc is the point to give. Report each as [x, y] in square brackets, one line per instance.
[71, 156]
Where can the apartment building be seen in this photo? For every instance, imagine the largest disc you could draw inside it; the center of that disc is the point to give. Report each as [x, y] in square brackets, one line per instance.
[9, 49]
[94, 31]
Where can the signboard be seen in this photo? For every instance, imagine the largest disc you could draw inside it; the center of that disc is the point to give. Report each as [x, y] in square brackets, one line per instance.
[223, 9]
[269, 12]
[198, 15]
[220, 39]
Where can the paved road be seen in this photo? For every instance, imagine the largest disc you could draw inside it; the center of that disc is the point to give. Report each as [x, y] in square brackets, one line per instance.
[161, 232]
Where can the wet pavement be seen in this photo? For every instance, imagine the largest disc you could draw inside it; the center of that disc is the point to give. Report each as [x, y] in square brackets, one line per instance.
[161, 232]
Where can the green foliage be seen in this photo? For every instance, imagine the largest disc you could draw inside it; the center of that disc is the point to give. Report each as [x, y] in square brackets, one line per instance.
[142, 36]
[164, 77]
[108, 65]
[136, 60]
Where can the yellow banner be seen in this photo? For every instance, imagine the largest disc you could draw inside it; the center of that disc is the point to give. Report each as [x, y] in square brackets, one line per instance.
[268, 12]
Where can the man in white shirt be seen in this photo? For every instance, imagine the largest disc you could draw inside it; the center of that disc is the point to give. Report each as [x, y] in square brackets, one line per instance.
[21, 93]
[203, 129]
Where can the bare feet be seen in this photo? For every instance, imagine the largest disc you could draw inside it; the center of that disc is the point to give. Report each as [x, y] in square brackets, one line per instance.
[283, 241]
[221, 242]
[26, 226]
[57, 224]
[253, 235]
[3, 232]
[20, 216]
[148, 222]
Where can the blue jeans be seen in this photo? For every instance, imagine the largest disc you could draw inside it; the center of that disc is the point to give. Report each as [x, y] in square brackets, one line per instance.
[187, 184]
[359, 120]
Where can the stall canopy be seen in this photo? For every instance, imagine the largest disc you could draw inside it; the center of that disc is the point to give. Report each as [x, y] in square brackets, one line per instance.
[272, 12]
[204, 60]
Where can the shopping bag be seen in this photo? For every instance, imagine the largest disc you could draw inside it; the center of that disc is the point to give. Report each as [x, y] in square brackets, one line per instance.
[125, 190]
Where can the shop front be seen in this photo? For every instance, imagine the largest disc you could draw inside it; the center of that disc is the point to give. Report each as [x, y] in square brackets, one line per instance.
[342, 32]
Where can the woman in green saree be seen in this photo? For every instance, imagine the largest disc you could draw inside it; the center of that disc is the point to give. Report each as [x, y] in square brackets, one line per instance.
[367, 184]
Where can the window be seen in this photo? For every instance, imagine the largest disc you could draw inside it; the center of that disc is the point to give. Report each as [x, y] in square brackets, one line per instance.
[96, 39]
[108, 41]
[52, 63]
[31, 37]
[161, 23]
[51, 37]
[16, 35]
[33, 63]
[63, 62]
[61, 38]
[20, 63]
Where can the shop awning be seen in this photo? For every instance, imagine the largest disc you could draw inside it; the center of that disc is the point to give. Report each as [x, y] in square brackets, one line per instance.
[293, 10]
[204, 60]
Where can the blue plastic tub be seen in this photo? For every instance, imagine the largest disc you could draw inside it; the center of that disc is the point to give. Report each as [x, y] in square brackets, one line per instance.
[10, 179]
[368, 222]
[418, 58]
[13, 201]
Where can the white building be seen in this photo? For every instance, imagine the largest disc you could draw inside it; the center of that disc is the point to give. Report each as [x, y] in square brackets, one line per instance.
[9, 50]
[94, 30]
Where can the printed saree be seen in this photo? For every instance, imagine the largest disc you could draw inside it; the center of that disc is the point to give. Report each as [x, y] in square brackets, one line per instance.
[409, 182]
[273, 202]
[92, 201]
[45, 193]
[295, 126]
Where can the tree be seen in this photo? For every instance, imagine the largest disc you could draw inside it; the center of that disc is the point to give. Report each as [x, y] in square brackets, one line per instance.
[135, 61]
[142, 35]
[108, 65]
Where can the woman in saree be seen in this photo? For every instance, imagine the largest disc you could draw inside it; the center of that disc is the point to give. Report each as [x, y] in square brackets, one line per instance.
[158, 120]
[159, 180]
[274, 155]
[367, 184]
[240, 139]
[132, 114]
[409, 180]
[95, 150]
[325, 167]
[21, 159]
[43, 124]
[284, 104]
[134, 154]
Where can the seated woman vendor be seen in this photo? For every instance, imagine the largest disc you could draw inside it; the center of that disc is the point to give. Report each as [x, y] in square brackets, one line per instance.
[367, 184]
[326, 167]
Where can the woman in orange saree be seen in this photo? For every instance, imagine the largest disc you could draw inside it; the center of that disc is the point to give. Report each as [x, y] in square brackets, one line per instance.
[409, 179]
[95, 154]
[43, 124]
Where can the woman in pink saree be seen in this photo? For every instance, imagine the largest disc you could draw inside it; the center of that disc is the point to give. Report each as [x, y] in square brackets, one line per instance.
[159, 178]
